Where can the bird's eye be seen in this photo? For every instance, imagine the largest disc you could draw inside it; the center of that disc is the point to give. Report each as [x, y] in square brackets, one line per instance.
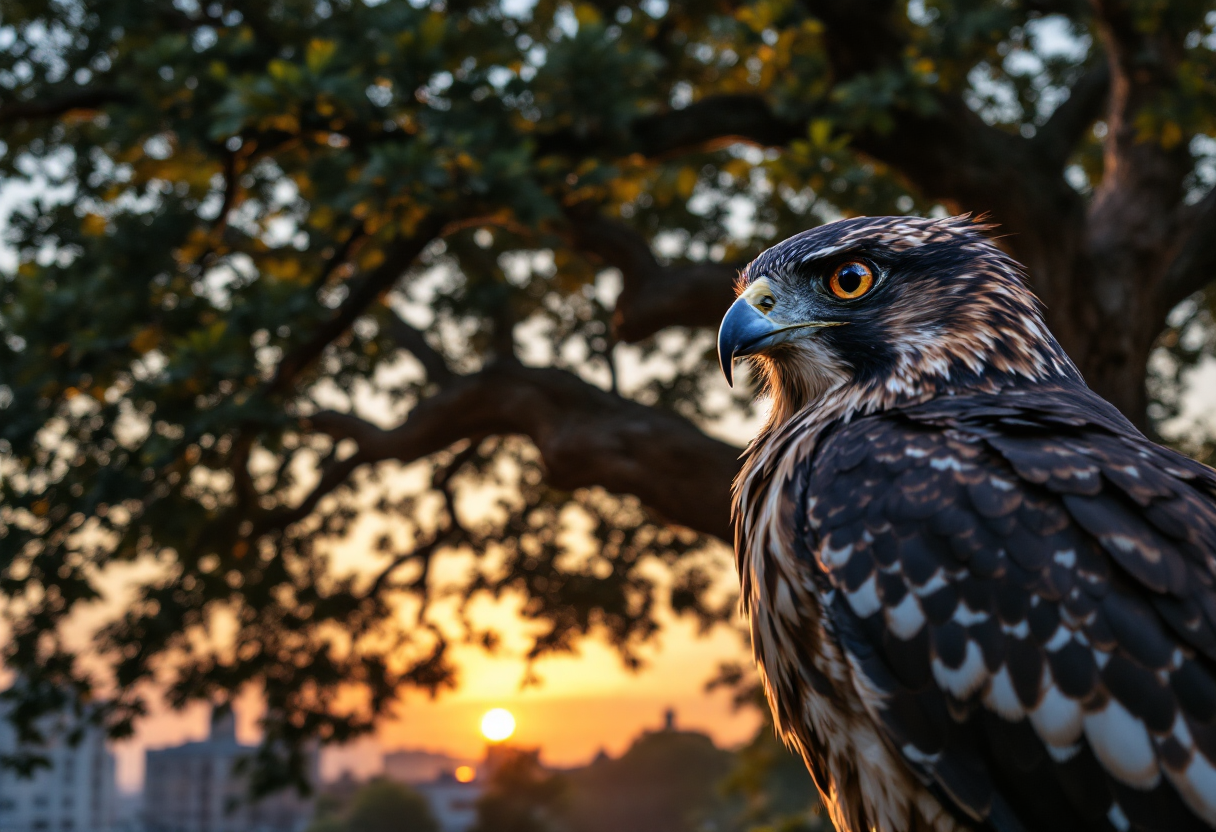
[851, 280]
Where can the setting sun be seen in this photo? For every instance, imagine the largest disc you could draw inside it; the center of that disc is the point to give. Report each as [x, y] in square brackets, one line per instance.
[497, 725]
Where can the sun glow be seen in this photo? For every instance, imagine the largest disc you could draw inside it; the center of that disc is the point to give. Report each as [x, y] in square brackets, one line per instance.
[497, 725]
[465, 774]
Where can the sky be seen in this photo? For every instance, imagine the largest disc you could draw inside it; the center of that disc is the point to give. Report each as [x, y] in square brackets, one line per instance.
[583, 704]
[587, 703]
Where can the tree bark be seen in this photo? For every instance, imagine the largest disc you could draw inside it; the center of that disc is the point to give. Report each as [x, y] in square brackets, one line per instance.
[586, 437]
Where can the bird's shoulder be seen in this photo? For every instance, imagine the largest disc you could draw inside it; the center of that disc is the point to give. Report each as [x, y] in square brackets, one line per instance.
[1020, 464]
[1027, 582]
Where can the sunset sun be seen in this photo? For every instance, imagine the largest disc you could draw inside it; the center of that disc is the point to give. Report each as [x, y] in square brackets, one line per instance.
[497, 725]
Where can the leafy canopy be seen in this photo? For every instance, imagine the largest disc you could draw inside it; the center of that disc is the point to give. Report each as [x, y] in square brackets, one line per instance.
[300, 272]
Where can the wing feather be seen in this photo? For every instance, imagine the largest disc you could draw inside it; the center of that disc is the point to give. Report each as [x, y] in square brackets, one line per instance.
[1029, 583]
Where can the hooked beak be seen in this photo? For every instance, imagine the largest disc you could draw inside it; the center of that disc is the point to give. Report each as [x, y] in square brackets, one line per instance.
[745, 330]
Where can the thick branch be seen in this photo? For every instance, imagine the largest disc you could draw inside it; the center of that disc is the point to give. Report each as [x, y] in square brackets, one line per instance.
[1057, 138]
[413, 341]
[715, 118]
[1143, 65]
[585, 435]
[1137, 215]
[86, 99]
[654, 296]
[363, 294]
[1194, 266]
[949, 153]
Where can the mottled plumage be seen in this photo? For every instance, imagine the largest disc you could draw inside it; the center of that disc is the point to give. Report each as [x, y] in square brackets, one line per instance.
[979, 598]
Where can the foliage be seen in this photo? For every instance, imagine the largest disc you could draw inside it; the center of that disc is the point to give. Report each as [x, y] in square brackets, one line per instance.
[521, 796]
[771, 782]
[384, 806]
[667, 780]
[306, 272]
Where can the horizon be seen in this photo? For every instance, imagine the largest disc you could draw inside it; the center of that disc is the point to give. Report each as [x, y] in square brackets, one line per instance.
[586, 703]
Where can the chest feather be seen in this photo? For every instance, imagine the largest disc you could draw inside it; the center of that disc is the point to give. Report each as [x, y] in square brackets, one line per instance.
[823, 705]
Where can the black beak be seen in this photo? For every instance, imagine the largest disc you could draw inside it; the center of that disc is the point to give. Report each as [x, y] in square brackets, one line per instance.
[744, 331]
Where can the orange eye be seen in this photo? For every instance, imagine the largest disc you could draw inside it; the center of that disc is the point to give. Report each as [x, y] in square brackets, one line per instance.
[851, 280]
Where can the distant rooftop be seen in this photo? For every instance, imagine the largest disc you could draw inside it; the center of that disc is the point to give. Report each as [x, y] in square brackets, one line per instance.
[222, 737]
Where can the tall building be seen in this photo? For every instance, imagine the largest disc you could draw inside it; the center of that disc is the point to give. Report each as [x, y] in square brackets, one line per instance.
[195, 788]
[75, 794]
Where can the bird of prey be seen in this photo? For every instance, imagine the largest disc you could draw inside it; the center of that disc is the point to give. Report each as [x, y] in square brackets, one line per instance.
[979, 598]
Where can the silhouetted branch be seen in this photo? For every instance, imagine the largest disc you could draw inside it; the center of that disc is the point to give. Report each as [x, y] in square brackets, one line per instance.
[363, 293]
[715, 118]
[412, 340]
[946, 150]
[586, 437]
[86, 99]
[654, 296]
[424, 552]
[332, 477]
[1194, 266]
[1057, 139]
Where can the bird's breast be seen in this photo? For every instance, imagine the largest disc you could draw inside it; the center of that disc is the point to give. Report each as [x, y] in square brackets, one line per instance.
[822, 706]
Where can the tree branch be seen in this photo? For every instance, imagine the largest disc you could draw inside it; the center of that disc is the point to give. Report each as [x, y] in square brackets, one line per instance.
[1194, 266]
[425, 552]
[86, 99]
[654, 296]
[739, 117]
[1143, 66]
[363, 294]
[413, 341]
[332, 477]
[949, 153]
[1057, 138]
[585, 435]
[715, 118]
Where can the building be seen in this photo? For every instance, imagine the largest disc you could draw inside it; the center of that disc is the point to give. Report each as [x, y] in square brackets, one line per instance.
[75, 794]
[452, 802]
[448, 783]
[195, 788]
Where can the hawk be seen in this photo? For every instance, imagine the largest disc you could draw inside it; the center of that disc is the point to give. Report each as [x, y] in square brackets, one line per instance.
[979, 598]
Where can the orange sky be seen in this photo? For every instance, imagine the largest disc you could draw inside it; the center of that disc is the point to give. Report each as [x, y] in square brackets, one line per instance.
[586, 703]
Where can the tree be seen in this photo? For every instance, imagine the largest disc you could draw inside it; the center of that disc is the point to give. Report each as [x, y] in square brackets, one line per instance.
[521, 796]
[667, 781]
[770, 780]
[384, 806]
[283, 248]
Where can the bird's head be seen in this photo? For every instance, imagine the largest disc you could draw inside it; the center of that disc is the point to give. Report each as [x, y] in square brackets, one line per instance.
[890, 308]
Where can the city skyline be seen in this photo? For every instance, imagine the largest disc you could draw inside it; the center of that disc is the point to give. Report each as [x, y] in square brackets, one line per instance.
[586, 704]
